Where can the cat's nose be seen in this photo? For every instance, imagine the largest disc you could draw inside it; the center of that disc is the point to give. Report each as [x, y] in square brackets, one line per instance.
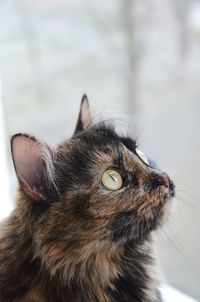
[160, 180]
[165, 181]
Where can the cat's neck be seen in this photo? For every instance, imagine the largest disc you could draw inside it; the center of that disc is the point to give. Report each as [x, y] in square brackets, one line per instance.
[138, 280]
[112, 272]
[104, 271]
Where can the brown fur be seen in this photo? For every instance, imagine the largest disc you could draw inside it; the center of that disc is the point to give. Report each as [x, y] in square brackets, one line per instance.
[71, 239]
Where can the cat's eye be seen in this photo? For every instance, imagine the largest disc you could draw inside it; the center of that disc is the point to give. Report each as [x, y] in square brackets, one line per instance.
[142, 156]
[112, 180]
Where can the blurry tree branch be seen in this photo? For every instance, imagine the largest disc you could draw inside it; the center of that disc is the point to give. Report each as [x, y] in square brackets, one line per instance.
[132, 52]
[131, 49]
[21, 8]
[181, 8]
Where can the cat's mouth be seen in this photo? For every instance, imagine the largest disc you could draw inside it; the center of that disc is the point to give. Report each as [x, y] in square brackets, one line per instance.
[171, 188]
[170, 191]
[163, 184]
[160, 187]
[164, 208]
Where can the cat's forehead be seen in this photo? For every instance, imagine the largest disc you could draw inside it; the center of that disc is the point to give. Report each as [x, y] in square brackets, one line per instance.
[104, 136]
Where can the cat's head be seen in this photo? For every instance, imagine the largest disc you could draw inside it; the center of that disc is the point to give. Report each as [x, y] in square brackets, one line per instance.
[96, 186]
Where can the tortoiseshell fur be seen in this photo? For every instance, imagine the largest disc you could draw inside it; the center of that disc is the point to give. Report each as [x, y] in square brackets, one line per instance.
[69, 238]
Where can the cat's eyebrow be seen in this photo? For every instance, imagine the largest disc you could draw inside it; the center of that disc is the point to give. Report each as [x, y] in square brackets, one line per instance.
[129, 143]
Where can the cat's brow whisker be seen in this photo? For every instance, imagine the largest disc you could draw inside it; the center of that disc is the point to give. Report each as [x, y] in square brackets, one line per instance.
[115, 119]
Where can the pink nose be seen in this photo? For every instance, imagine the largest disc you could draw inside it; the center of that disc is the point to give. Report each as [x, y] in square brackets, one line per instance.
[166, 181]
[160, 180]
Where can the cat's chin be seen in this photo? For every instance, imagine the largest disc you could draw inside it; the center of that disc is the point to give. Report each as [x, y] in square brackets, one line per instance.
[166, 210]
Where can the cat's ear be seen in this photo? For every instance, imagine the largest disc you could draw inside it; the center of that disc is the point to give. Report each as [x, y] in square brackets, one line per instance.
[84, 119]
[30, 166]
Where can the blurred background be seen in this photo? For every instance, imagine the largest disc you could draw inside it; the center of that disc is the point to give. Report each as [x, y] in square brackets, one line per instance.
[139, 63]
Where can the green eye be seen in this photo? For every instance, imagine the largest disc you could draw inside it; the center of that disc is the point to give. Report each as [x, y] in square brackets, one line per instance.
[112, 180]
[142, 156]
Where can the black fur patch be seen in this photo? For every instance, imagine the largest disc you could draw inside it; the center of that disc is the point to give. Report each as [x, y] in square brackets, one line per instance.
[129, 143]
[131, 285]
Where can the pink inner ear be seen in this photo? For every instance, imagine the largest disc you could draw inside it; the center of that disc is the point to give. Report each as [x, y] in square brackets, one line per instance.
[85, 114]
[27, 157]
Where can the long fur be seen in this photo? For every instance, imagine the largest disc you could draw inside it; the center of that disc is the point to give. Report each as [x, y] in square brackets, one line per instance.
[85, 243]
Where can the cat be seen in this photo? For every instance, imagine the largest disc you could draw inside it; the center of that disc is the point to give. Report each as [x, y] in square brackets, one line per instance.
[85, 212]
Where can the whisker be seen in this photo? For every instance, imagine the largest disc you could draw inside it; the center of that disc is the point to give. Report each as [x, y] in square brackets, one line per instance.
[187, 202]
[181, 252]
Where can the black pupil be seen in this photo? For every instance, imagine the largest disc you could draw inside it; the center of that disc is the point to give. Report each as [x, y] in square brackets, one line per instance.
[113, 178]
